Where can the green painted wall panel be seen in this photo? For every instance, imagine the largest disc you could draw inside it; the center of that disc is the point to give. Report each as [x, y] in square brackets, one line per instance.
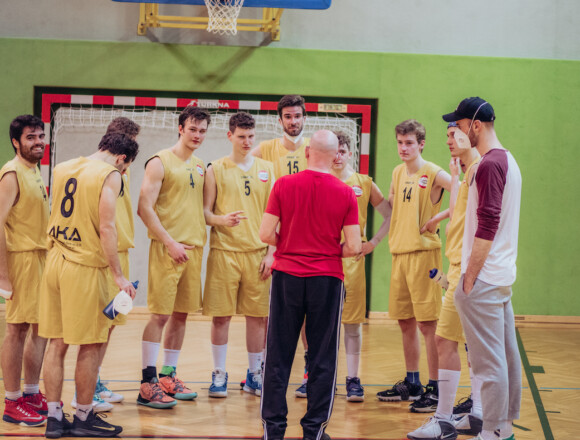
[537, 104]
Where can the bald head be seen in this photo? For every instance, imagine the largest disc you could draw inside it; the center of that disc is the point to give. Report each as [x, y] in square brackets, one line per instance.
[322, 150]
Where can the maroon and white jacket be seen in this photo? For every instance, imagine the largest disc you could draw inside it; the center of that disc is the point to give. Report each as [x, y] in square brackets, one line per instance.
[493, 213]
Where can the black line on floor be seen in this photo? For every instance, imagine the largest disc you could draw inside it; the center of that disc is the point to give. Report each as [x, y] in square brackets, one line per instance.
[529, 370]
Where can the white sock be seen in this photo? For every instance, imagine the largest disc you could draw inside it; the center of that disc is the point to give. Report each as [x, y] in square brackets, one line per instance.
[476, 409]
[13, 395]
[254, 361]
[83, 411]
[170, 357]
[352, 346]
[31, 388]
[219, 353]
[506, 429]
[448, 383]
[488, 435]
[55, 410]
[150, 352]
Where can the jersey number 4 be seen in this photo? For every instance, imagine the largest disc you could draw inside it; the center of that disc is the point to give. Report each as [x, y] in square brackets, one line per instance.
[191, 182]
[407, 194]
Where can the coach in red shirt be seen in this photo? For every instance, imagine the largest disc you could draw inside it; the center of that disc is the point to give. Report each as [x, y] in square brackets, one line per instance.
[312, 208]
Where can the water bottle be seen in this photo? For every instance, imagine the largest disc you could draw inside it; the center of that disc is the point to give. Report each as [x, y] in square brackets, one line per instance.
[439, 277]
[121, 303]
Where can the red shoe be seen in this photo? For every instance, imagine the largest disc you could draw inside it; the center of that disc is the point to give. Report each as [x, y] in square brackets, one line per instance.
[18, 411]
[37, 402]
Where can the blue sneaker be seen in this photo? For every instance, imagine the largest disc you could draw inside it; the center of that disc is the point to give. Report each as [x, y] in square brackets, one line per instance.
[354, 390]
[219, 383]
[301, 390]
[253, 383]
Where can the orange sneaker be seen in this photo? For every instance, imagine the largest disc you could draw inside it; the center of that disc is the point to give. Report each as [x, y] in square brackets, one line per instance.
[172, 386]
[151, 394]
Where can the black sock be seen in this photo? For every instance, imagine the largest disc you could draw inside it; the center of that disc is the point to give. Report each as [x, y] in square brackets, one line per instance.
[148, 374]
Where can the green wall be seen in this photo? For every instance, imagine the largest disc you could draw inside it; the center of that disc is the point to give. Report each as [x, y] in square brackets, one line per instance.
[537, 103]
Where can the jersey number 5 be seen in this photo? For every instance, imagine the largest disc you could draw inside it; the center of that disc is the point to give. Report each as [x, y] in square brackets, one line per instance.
[247, 187]
[69, 190]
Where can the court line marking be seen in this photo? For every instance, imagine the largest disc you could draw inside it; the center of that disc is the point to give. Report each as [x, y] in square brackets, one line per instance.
[529, 370]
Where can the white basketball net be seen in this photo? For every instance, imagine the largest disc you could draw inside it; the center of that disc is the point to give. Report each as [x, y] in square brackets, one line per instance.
[223, 16]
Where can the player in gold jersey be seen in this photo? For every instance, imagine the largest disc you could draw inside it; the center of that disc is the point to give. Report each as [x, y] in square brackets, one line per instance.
[236, 193]
[415, 195]
[287, 152]
[449, 331]
[171, 206]
[23, 220]
[83, 246]
[125, 238]
[354, 308]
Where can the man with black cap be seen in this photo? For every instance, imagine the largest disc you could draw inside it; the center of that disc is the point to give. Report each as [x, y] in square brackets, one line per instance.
[488, 268]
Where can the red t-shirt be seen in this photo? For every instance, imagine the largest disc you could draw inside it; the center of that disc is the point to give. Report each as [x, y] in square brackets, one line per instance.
[312, 207]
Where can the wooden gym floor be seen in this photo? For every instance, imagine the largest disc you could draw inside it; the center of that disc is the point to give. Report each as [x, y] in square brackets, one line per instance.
[551, 378]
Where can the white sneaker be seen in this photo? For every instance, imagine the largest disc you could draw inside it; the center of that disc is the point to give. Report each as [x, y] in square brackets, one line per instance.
[434, 429]
[99, 405]
[106, 394]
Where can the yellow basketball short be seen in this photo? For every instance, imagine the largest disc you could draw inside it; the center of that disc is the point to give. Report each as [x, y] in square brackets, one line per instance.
[449, 325]
[355, 301]
[173, 287]
[412, 293]
[72, 299]
[120, 319]
[25, 273]
[233, 284]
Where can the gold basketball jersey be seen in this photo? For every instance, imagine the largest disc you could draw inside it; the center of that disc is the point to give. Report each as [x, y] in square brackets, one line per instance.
[239, 190]
[124, 217]
[412, 208]
[456, 226]
[180, 202]
[285, 162]
[74, 219]
[361, 184]
[25, 227]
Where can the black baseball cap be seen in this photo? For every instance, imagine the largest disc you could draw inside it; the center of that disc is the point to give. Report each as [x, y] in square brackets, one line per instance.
[472, 108]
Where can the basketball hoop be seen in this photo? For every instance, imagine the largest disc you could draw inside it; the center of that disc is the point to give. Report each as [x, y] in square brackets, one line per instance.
[223, 15]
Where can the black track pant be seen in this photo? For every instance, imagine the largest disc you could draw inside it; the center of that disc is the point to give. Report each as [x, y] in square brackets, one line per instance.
[319, 299]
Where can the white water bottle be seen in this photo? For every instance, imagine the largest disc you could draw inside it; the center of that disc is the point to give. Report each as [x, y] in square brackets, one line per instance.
[121, 303]
[439, 277]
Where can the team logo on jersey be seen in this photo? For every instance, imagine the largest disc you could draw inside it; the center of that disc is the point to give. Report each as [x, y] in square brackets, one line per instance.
[263, 175]
[200, 170]
[65, 233]
[423, 181]
[357, 190]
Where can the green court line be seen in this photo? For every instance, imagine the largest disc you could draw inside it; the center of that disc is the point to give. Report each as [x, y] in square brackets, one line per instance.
[529, 370]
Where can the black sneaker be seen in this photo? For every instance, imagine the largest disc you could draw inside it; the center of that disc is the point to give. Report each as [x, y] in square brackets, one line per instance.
[354, 390]
[94, 426]
[57, 428]
[428, 401]
[402, 390]
[324, 436]
[463, 406]
[469, 425]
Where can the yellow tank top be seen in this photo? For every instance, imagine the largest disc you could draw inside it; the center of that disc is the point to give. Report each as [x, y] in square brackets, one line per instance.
[74, 219]
[124, 217]
[180, 202]
[361, 184]
[412, 208]
[239, 190]
[285, 162]
[455, 233]
[25, 228]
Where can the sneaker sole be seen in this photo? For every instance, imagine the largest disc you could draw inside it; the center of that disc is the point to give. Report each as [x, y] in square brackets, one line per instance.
[81, 432]
[429, 409]
[21, 422]
[355, 398]
[182, 396]
[218, 394]
[112, 399]
[398, 399]
[247, 389]
[156, 405]
[301, 395]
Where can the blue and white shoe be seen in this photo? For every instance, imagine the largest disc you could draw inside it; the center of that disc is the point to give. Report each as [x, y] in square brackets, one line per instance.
[354, 390]
[253, 383]
[219, 383]
[301, 390]
[106, 394]
[99, 405]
